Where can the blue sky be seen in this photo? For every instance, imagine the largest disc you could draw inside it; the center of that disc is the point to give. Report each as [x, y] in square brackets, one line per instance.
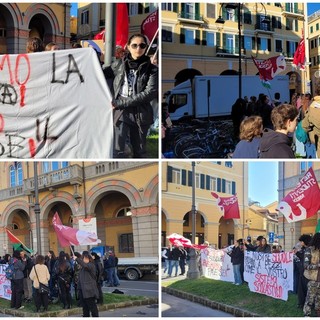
[74, 7]
[313, 7]
[263, 181]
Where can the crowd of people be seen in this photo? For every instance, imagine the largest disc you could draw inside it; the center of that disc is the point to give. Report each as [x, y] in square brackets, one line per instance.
[69, 280]
[133, 82]
[306, 277]
[271, 129]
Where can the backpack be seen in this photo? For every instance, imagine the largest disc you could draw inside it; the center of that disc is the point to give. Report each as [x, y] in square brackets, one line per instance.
[9, 272]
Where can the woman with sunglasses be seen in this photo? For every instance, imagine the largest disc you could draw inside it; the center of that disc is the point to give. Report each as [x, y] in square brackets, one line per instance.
[133, 81]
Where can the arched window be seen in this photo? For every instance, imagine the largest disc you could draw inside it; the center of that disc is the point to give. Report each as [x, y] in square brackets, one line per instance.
[16, 174]
[124, 212]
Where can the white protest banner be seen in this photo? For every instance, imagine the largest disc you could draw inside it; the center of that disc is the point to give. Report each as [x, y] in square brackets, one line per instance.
[89, 225]
[216, 264]
[5, 284]
[270, 274]
[54, 104]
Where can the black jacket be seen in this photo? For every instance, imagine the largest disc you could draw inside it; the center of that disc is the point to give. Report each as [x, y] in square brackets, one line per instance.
[138, 107]
[275, 144]
[236, 255]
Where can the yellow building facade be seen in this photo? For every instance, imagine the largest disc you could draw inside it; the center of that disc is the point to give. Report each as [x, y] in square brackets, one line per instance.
[314, 51]
[19, 21]
[225, 178]
[289, 175]
[193, 43]
[122, 196]
[91, 17]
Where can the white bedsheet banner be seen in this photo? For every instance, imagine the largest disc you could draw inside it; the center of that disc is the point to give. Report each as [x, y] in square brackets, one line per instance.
[270, 274]
[54, 104]
[216, 264]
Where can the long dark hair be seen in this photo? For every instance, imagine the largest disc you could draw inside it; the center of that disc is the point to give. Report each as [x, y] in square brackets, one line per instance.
[62, 261]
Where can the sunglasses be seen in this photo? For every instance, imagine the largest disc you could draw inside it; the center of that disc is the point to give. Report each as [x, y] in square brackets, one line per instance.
[141, 45]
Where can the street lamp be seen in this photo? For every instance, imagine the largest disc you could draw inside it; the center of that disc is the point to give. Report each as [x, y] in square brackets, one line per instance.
[193, 270]
[220, 20]
[37, 206]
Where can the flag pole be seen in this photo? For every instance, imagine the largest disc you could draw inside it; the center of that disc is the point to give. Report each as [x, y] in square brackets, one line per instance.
[307, 88]
[152, 41]
[72, 251]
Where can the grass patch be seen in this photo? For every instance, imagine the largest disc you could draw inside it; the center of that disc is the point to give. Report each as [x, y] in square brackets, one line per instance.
[239, 296]
[153, 145]
[108, 298]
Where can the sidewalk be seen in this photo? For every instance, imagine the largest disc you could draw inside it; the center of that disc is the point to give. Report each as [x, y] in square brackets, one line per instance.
[237, 312]
[76, 311]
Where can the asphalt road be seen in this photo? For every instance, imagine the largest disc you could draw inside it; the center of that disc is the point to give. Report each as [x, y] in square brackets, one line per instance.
[136, 288]
[172, 306]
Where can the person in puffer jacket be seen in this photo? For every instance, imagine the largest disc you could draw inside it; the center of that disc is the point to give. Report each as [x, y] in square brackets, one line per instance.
[133, 82]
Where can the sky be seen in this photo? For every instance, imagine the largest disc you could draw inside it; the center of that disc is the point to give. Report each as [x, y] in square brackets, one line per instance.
[74, 8]
[313, 7]
[263, 181]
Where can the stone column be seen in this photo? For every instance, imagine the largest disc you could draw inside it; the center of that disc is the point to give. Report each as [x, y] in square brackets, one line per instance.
[145, 225]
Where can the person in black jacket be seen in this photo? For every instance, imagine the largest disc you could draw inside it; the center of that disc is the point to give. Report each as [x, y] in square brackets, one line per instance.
[277, 144]
[88, 285]
[174, 256]
[17, 281]
[99, 275]
[237, 258]
[133, 82]
[302, 281]
[63, 274]
[27, 283]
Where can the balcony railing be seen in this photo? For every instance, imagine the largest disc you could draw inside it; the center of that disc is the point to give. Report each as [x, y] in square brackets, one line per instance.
[69, 176]
[263, 27]
[190, 16]
[293, 11]
[227, 50]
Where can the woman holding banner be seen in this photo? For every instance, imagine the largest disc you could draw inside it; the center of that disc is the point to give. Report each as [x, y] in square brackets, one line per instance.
[133, 82]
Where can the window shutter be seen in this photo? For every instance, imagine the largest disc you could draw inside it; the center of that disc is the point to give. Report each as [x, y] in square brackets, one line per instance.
[223, 185]
[218, 39]
[175, 7]
[190, 178]
[197, 41]
[219, 184]
[233, 188]
[169, 174]
[184, 177]
[207, 182]
[202, 181]
[204, 38]
[269, 44]
[211, 10]
[182, 35]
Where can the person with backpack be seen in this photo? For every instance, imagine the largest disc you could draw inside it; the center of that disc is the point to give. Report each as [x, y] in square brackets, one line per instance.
[27, 283]
[17, 280]
[99, 275]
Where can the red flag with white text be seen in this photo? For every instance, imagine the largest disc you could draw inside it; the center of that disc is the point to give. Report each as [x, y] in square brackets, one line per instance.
[150, 25]
[269, 68]
[299, 58]
[178, 240]
[228, 205]
[304, 201]
[68, 236]
[122, 26]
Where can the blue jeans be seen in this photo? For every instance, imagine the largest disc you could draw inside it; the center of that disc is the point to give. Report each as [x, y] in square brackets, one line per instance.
[237, 273]
[173, 263]
[166, 265]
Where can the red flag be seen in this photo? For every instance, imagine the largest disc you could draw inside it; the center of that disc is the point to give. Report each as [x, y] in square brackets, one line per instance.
[304, 201]
[68, 236]
[122, 26]
[299, 58]
[178, 240]
[12, 237]
[228, 205]
[271, 67]
[150, 25]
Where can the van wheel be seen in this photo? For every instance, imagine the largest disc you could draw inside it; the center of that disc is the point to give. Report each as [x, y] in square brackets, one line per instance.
[132, 274]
